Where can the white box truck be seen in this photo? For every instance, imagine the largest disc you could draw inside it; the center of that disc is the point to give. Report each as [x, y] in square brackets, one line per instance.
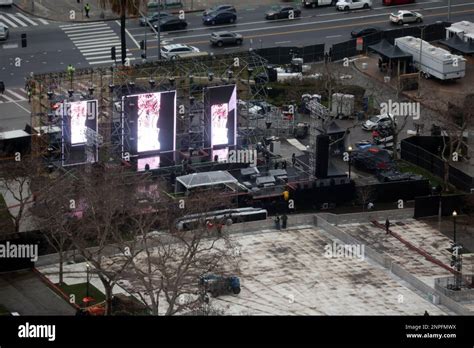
[431, 60]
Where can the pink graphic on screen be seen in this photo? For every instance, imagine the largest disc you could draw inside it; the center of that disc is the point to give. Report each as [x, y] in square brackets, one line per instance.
[222, 154]
[148, 115]
[219, 114]
[78, 122]
[153, 163]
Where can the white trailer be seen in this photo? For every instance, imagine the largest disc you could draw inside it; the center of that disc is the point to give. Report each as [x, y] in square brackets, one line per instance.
[463, 29]
[431, 60]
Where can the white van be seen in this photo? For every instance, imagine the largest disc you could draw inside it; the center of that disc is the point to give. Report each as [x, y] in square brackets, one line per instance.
[6, 2]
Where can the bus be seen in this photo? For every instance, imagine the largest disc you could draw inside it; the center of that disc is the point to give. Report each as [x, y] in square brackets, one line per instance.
[397, 2]
[225, 216]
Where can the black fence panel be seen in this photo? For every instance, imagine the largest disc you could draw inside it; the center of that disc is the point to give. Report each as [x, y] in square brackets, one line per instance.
[406, 190]
[277, 55]
[313, 53]
[426, 206]
[429, 205]
[423, 152]
[343, 50]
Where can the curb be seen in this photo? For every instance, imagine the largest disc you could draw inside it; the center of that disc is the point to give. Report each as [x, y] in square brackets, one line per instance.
[90, 21]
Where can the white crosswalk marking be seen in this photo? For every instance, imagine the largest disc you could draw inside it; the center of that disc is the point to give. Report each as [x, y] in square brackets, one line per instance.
[26, 19]
[94, 41]
[16, 20]
[13, 95]
[9, 22]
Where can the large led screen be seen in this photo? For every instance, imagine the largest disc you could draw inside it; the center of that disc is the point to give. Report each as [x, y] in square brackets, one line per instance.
[152, 122]
[80, 122]
[221, 118]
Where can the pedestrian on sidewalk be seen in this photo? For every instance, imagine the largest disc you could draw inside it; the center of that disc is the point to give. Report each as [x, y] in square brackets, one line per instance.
[87, 8]
[284, 220]
[293, 159]
[2, 87]
[387, 226]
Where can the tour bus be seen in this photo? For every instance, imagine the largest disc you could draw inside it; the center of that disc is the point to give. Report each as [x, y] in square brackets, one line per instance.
[6, 2]
[397, 2]
[226, 216]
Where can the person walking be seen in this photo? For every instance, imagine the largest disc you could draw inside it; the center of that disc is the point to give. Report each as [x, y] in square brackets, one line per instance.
[2, 87]
[284, 220]
[387, 226]
[293, 159]
[87, 8]
[277, 223]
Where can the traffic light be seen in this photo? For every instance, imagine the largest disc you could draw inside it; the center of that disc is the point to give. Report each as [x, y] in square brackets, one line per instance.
[113, 53]
[23, 40]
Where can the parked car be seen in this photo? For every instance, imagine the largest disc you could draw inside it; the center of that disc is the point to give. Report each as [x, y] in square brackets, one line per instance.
[346, 5]
[222, 17]
[403, 16]
[152, 18]
[282, 11]
[218, 8]
[4, 32]
[171, 23]
[316, 3]
[376, 121]
[218, 285]
[176, 50]
[372, 159]
[221, 38]
[364, 32]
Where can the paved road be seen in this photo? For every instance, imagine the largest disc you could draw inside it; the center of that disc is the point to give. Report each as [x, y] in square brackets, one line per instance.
[54, 45]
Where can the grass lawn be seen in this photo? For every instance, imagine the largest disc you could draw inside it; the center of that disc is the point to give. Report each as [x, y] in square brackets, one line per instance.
[79, 291]
[4, 311]
[408, 167]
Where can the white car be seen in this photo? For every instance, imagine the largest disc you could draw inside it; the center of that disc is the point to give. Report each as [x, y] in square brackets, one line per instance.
[346, 5]
[402, 17]
[375, 121]
[177, 50]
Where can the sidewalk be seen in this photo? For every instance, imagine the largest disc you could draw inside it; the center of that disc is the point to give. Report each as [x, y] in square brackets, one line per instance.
[61, 10]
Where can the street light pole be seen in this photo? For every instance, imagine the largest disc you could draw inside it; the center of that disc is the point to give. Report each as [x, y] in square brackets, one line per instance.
[449, 10]
[87, 285]
[349, 150]
[454, 226]
[419, 70]
[159, 30]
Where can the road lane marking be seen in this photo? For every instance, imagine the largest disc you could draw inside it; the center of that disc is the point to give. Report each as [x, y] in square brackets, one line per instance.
[130, 36]
[282, 42]
[324, 28]
[332, 36]
[310, 23]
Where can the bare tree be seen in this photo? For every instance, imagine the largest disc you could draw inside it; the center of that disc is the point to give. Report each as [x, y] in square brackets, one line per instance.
[17, 176]
[364, 194]
[52, 214]
[165, 266]
[453, 122]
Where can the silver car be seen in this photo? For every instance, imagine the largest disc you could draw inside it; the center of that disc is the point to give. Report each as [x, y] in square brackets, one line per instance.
[4, 32]
[221, 38]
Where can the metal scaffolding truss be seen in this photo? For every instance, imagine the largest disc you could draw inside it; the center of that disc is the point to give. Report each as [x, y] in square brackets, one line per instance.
[318, 112]
[189, 76]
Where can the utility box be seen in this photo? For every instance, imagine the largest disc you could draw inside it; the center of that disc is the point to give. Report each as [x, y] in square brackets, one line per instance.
[342, 105]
